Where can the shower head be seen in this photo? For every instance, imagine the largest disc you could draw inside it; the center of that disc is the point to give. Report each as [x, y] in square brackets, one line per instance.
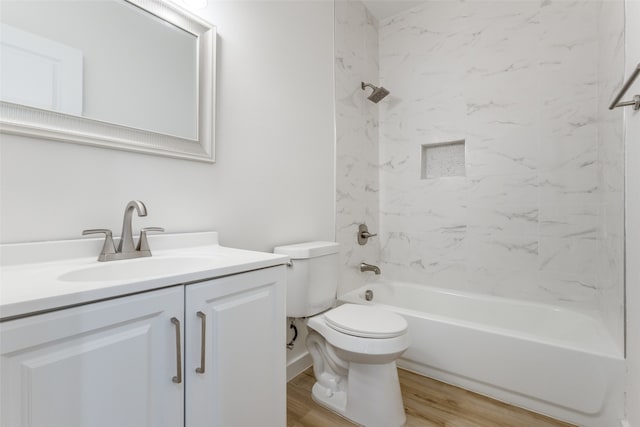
[377, 94]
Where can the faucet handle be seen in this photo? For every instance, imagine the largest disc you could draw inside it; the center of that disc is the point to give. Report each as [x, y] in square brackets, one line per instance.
[364, 235]
[143, 243]
[108, 248]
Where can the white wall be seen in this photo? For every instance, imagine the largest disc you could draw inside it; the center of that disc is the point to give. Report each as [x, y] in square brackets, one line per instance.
[632, 120]
[273, 180]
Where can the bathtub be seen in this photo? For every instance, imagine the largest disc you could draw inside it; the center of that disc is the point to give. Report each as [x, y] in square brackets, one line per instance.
[548, 359]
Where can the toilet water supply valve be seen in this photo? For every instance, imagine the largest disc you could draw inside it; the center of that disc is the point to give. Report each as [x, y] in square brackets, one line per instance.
[295, 334]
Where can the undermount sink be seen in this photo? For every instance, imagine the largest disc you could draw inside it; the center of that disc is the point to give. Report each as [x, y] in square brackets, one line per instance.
[138, 269]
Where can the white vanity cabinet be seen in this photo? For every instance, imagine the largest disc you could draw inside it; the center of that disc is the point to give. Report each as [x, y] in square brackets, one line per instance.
[115, 363]
[244, 360]
[104, 364]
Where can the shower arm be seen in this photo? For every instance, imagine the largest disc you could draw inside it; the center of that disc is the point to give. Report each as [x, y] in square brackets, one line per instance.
[363, 85]
[636, 99]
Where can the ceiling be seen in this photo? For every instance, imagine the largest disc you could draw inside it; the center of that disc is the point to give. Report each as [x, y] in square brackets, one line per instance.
[383, 9]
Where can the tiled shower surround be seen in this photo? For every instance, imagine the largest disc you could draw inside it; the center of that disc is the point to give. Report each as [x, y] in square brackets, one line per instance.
[356, 45]
[538, 214]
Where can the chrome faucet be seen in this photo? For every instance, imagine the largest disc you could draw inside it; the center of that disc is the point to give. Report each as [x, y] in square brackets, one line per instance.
[126, 248]
[368, 267]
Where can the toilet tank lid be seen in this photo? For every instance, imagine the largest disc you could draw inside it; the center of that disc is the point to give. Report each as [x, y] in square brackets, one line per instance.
[308, 249]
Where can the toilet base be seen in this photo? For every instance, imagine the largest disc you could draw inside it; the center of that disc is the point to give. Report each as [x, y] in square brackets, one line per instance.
[376, 402]
[336, 402]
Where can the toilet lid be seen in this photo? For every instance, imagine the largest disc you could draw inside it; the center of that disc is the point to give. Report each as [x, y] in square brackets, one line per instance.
[365, 321]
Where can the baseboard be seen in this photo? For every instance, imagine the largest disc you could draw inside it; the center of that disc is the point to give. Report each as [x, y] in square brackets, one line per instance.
[298, 365]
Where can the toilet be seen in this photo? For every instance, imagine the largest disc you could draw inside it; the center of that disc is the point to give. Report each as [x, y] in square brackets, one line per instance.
[354, 347]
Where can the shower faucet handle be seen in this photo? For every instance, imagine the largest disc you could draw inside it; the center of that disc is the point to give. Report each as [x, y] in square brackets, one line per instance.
[363, 234]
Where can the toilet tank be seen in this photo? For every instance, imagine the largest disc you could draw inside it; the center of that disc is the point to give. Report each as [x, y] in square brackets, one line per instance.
[312, 278]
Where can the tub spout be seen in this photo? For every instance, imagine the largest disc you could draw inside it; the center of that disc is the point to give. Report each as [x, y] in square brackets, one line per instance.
[368, 267]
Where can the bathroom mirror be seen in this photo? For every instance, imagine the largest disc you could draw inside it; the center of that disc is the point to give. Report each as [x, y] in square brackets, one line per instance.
[135, 75]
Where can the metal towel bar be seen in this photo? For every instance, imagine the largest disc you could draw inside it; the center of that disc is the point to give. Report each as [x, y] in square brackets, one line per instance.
[636, 99]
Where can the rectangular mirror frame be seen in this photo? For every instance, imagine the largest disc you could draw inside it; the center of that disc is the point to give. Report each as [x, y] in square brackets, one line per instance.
[22, 120]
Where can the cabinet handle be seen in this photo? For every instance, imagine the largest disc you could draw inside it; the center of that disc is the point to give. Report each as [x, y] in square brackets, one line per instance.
[203, 340]
[178, 378]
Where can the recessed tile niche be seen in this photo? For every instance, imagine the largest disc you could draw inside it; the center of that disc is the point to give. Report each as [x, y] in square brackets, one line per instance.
[443, 159]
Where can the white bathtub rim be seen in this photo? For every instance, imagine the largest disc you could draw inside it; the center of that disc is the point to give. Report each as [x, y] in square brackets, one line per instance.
[590, 313]
[610, 351]
[503, 331]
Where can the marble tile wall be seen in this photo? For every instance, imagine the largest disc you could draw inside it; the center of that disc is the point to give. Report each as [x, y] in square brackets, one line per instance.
[538, 215]
[356, 51]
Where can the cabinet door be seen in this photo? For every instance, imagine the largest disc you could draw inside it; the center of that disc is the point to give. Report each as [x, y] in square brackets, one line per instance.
[244, 379]
[106, 364]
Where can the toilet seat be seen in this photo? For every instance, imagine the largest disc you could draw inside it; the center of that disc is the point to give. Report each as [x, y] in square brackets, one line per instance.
[365, 321]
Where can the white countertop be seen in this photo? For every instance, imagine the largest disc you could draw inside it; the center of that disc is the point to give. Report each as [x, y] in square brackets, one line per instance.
[32, 274]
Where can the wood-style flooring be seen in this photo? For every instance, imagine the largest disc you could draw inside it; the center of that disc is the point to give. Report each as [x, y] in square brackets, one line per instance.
[428, 403]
